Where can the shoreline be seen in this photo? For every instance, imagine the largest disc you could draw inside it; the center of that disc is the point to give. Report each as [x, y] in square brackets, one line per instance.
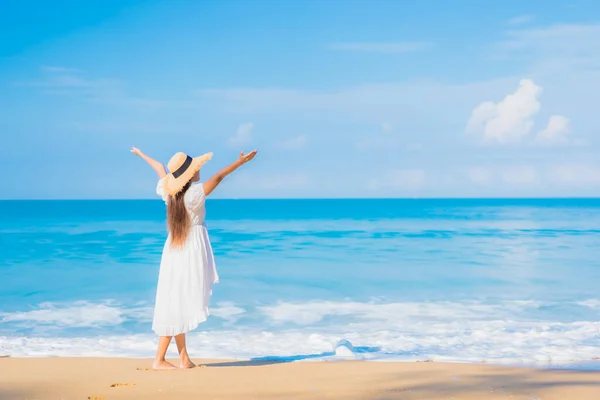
[590, 365]
[131, 378]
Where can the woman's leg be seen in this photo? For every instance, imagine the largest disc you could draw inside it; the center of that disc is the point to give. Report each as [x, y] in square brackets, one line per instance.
[161, 352]
[183, 354]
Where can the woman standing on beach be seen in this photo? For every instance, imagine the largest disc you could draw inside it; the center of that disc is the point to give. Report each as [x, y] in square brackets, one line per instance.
[187, 268]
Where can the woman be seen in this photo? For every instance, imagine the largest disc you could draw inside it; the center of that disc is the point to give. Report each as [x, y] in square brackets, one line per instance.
[187, 268]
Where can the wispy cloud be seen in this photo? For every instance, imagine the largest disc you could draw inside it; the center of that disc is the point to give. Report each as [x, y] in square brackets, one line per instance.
[480, 175]
[243, 135]
[295, 143]
[54, 68]
[375, 142]
[382, 47]
[385, 139]
[403, 179]
[553, 175]
[575, 174]
[270, 184]
[544, 49]
[414, 147]
[60, 81]
[362, 102]
[519, 174]
[285, 181]
[387, 127]
[553, 37]
[520, 19]
[70, 82]
[510, 175]
[561, 47]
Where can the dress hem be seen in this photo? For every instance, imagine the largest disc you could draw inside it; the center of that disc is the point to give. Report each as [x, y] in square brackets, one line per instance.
[170, 330]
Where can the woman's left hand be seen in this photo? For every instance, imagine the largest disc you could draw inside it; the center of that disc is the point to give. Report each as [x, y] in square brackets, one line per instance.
[244, 158]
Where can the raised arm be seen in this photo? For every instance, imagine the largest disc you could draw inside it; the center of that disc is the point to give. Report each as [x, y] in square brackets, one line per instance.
[217, 178]
[157, 166]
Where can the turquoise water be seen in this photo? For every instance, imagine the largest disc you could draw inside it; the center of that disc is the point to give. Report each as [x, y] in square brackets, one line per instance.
[462, 280]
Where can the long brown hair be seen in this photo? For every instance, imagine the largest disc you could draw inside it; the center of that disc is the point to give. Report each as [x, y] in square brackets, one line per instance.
[178, 219]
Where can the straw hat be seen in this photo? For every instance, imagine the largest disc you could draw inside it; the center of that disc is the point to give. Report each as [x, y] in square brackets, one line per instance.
[182, 169]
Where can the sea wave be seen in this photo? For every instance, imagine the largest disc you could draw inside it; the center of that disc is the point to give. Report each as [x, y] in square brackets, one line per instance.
[515, 332]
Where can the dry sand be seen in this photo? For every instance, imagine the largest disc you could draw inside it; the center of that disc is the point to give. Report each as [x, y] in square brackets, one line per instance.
[93, 378]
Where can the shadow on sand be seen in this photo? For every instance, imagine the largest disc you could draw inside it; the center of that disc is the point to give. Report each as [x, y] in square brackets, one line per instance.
[270, 360]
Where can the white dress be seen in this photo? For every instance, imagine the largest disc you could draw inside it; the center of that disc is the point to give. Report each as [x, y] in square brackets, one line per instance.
[186, 274]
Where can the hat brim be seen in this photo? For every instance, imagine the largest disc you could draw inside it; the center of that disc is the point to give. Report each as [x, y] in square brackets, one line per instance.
[174, 185]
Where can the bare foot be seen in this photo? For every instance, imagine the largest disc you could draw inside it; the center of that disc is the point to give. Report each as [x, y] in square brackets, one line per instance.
[187, 364]
[162, 365]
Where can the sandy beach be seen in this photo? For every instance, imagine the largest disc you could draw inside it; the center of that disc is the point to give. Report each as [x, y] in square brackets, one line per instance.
[107, 379]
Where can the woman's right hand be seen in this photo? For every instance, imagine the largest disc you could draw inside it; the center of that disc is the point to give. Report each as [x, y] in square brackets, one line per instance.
[244, 158]
[217, 178]
[136, 151]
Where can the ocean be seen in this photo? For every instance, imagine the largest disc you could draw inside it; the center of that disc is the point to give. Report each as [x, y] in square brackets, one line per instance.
[495, 281]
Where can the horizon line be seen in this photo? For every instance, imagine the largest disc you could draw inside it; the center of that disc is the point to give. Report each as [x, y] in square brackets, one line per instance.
[323, 198]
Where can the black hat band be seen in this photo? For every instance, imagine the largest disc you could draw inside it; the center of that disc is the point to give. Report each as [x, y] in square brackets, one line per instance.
[186, 164]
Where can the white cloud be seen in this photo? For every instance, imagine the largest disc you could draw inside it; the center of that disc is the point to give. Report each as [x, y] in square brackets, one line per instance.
[296, 143]
[384, 47]
[243, 135]
[510, 120]
[405, 179]
[521, 19]
[556, 132]
[519, 174]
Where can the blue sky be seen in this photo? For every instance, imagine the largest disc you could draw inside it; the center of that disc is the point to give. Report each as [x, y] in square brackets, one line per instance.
[341, 98]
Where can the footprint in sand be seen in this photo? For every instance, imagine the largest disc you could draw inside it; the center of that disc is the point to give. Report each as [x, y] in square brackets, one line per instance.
[122, 384]
[96, 398]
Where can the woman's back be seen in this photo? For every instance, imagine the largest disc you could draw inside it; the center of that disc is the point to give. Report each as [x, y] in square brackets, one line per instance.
[194, 201]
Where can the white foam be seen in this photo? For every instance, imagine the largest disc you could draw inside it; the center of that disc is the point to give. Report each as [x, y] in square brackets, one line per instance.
[84, 314]
[76, 315]
[312, 312]
[497, 333]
